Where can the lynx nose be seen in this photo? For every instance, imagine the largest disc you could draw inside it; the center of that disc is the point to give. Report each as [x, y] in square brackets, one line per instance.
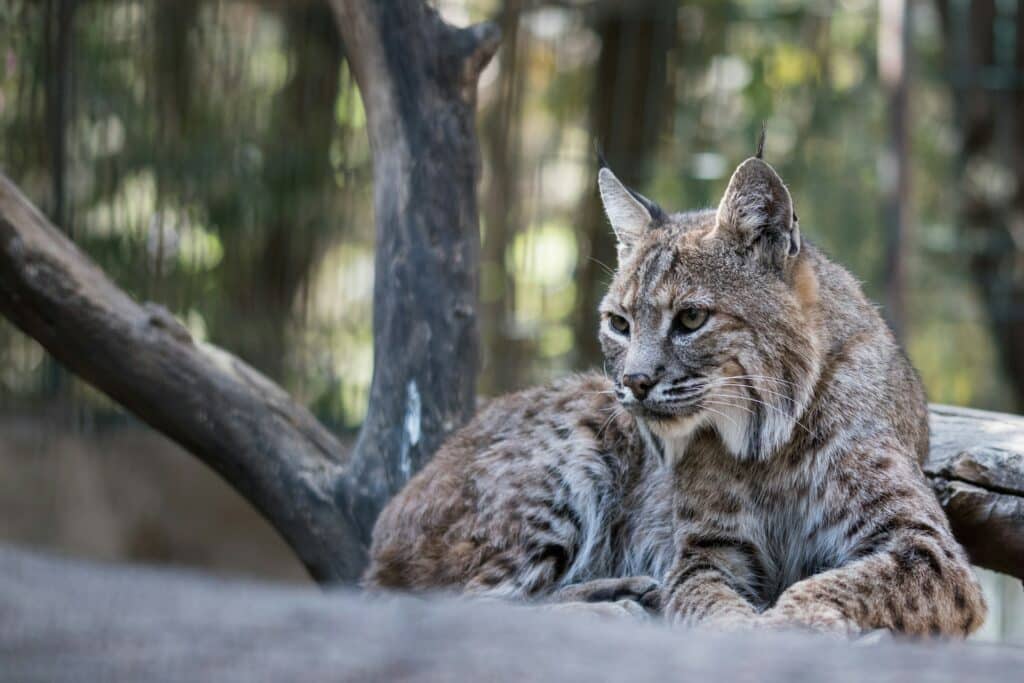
[640, 384]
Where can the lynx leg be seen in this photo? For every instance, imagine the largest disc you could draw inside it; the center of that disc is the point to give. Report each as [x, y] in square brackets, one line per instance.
[704, 590]
[644, 590]
[911, 577]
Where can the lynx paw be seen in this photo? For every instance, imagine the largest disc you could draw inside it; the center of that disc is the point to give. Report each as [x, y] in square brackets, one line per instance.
[816, 618]
[642, 590]
[879, 635]
[630, 609]
[730, 623]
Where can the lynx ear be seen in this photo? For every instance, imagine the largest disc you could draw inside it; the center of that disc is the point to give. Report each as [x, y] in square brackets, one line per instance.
[756, 214]
[630, 213]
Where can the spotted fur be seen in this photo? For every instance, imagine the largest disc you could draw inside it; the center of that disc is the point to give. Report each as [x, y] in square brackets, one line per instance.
[755, 447]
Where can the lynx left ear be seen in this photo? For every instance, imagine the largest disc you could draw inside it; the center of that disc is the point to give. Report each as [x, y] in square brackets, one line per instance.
[629, 212]
[756, 214]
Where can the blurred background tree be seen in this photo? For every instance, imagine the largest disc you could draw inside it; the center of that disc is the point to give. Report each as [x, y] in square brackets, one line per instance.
[211, 155]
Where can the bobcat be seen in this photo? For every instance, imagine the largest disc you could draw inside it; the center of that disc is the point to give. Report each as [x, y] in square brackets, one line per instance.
[753, 459]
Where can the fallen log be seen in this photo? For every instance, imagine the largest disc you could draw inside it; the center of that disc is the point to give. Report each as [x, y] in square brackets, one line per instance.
[976, 466]
[62, 620]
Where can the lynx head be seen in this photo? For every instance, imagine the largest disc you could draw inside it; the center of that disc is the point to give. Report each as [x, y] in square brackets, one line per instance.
[707, 322]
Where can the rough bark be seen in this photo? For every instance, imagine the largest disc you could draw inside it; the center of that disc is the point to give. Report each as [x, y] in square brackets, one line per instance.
[418, 78]
[68, 621]
[976, 467]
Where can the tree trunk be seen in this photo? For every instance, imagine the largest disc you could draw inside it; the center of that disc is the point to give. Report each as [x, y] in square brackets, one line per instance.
[297, 176]
[626, 116]
[60, 14]
[418, 78]
[59, 49]
[503, 349]
[990, 107]
[893, 68]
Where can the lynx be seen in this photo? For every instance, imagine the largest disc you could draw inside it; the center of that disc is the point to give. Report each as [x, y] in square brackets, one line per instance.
[750, 459]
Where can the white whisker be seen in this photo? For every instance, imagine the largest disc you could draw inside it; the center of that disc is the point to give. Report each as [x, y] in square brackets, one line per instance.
[608, 269]
[727, 417]
[616, 412]
[725, 403]
[722, 383]
[764, 377]
[780, 411]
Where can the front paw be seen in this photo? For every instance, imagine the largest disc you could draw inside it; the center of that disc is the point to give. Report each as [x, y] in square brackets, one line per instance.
[643, 590]
[730, 623]
[815, 618]
[619, 609]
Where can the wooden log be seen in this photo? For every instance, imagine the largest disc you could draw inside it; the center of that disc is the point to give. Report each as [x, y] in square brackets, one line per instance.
[976, 466]
[68, 621]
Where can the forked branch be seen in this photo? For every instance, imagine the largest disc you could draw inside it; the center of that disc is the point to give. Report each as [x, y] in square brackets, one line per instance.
[418, 79]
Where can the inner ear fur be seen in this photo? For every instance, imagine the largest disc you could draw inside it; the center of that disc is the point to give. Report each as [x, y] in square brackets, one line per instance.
[756, 213]
[629, 212]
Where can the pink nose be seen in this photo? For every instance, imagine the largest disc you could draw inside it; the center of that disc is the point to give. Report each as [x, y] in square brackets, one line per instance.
[639, 383]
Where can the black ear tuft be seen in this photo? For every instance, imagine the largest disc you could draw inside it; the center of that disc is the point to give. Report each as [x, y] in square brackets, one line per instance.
[601, 161]
[658, 215]
[760, 140]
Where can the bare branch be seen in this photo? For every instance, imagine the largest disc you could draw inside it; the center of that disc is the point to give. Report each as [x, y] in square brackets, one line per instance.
[237, 421]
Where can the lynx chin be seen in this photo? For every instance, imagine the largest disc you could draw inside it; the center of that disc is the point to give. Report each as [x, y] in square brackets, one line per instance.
[750, 458]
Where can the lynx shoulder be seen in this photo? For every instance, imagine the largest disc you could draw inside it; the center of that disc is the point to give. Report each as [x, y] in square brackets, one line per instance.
[755, 448]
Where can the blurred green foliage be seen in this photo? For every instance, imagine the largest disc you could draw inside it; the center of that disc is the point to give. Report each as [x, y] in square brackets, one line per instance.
[216, 160]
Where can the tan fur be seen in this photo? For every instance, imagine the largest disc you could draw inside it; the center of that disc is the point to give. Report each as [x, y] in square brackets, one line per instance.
[763, 466]
[805, 285]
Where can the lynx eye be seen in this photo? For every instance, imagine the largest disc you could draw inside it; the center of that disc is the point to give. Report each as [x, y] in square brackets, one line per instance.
[691, 319]
[618, 323]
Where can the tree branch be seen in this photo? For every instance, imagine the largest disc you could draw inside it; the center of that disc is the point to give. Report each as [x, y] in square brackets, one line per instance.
[418, 79]
[234, 419]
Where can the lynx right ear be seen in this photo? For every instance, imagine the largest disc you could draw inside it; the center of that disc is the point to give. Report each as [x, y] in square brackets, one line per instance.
[756, 214]
[630, 213]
